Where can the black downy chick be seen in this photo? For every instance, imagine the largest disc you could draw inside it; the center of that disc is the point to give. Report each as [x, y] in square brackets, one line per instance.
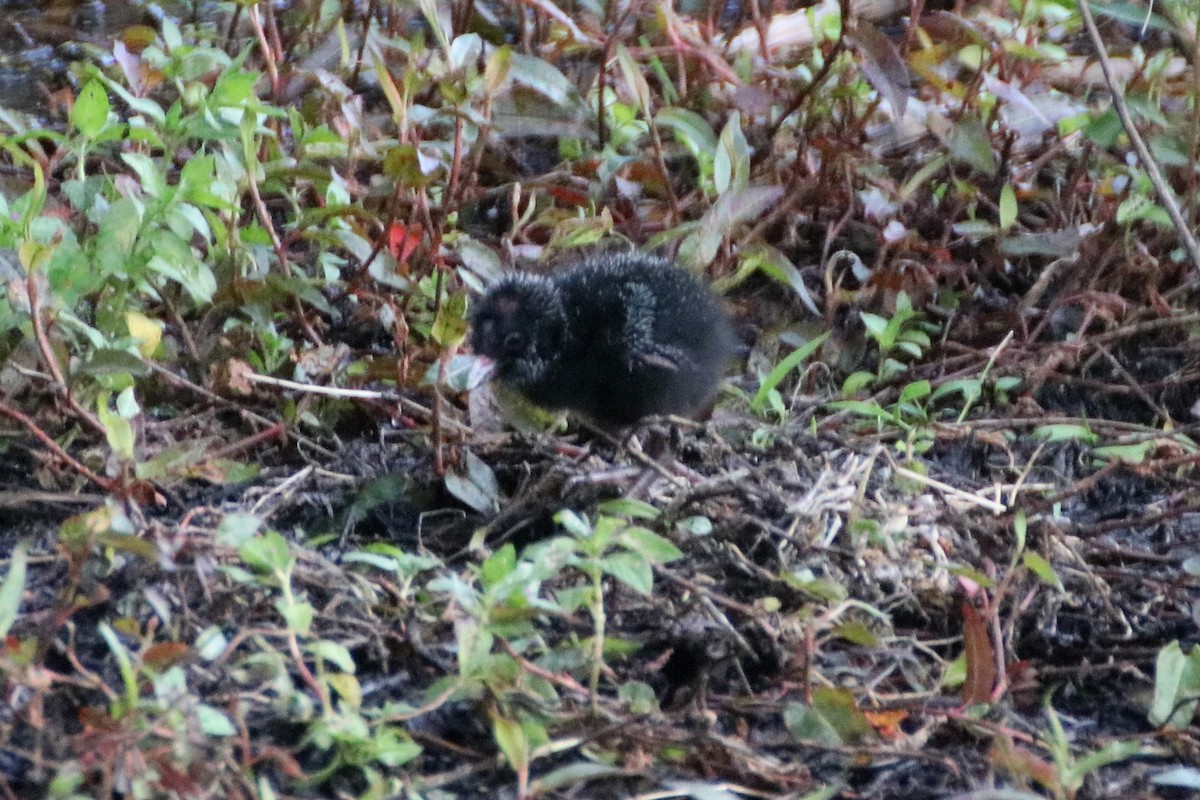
[616, 337]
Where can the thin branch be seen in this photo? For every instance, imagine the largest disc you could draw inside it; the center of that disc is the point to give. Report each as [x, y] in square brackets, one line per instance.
[1165, 195]
[56, 450]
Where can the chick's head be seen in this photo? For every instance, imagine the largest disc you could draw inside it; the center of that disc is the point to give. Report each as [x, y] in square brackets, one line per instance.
[520, 324]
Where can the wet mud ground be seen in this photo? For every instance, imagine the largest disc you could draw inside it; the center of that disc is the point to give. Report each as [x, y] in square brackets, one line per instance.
[819, 571]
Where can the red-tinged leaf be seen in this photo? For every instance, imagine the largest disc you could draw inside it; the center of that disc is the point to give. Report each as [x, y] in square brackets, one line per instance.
[1021, 763]
[178, 783]
[887, 723]
[403, 240]
[95, 717]
[284, 760]
[569, 196]
[165, 654]
[980, 656]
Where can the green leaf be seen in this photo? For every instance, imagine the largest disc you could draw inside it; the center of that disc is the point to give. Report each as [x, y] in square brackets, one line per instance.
[1176, 687]
[1180, 777]
[631, 569]
[649, 544]
[267, 553]
[969, 144]
[13, 587]
[969, 388]
[634, 79]
[476, 486]
[630, 508]
[1008, 207]
[1111, 753]
[1066, 432]
[499, 565]
[335, 653]
[545, 79]
[394, 748]
[793, 360]
[298, 616]
[430, 10]
[806, 724]
[838, 708]
[1039, 566]
[125, 667]
[510, 735]
[117, 429]
[90, 112]
[149, 173]
[875, 324]
[856, 633]
[864, 409]
[1140, 207]
[213, 721]
[731, 161]
[450, 325]
[465, 50]
[856, 381]
[1129, 453]
[695, 526]
[498, 66]
[731, 209]
[691, 129]
[574, 524]
[915, 391]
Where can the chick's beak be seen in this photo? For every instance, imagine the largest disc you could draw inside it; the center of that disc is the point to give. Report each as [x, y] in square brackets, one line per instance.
[481, 372]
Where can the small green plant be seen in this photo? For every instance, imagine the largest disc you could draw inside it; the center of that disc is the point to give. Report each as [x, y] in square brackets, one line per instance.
[496, 621]
[611, 545]
[901, 335]
[1071, 770]
[353, 738]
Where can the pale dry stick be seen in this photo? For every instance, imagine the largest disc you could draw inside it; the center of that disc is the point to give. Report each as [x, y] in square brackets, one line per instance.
[23, 497]
[359, 394]
[1165, 194]
[554, 12]
[977, 499]
[180, 381]
[866, 466]
[1024, 476]
[1145, 326]
[267, 52]
[724, 788]
[1133, 383]
[686, 40]
[282, 489]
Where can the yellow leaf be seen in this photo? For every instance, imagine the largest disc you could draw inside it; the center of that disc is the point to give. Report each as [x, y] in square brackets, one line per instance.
[147, 331]
[347, 687]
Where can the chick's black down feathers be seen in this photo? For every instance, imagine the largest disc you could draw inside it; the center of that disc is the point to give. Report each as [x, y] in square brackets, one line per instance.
[617, 337]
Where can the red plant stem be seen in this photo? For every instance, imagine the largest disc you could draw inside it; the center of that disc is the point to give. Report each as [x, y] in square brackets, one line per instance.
[272, 432]
[39, 332]
[455, 166]
[264, 217]
[106, 484]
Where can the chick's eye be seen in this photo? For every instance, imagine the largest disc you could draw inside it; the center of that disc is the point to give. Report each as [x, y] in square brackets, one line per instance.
[514, 342]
